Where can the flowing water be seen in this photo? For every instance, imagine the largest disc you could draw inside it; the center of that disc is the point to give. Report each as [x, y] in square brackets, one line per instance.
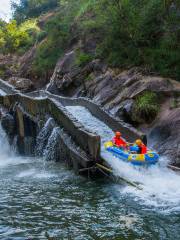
[161, 186]
[45, 200]
[2, 93]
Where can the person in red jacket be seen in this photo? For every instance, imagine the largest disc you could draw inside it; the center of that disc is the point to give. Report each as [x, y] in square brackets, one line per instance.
[118, 141]
[142, 147]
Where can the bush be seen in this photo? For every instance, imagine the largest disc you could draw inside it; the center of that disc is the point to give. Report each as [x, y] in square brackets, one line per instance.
[46, 57]
[141, 33]
[27, 9]
[83, 58]
[14, 38]
[56, 33]
[41, 35]
[146, 107]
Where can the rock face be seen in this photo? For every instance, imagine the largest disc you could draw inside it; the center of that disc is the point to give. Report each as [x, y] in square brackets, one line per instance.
[70, 79]
[22, 84]
[7, 65]
[117, 92]
[165, 135]
[62, 77]
[109, 87]
[12, 66]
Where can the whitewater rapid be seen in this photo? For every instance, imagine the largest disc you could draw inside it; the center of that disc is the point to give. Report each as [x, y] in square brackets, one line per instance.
[160, 185]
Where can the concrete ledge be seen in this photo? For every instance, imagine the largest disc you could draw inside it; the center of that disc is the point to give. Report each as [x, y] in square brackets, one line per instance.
[7, 88]
[38, 108]
[71, 155]
[129, 132]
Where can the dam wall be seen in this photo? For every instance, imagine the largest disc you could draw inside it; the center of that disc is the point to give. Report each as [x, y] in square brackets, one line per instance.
[128, 132]
[39, 108]
[7, 88]
[76, 145]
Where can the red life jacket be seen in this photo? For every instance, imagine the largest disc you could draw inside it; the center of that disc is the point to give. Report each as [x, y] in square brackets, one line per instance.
[119, 142]
[143, 149]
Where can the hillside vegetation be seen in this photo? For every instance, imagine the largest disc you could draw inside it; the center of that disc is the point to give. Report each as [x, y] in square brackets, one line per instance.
[126, 33]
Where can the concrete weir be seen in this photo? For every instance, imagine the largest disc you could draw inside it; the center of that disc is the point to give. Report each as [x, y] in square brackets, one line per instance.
[72, 142]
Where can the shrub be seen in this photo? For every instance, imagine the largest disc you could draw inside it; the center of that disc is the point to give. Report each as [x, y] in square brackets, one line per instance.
[146, 107]
[46, 57]
[17, 38]
[27, 9]
[56, 33]
[141, 33]
[83, 58]
[41, 35]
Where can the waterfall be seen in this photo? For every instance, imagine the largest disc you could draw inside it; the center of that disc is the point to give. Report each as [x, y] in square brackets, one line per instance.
[47, 141]
[43, 136]
[51, 151]
[5, 149]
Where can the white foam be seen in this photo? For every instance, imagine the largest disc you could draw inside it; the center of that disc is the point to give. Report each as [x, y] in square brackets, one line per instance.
[161, 186]
[2, 93]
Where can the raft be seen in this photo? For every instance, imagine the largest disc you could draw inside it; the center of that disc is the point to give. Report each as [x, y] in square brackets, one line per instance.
[148, 159]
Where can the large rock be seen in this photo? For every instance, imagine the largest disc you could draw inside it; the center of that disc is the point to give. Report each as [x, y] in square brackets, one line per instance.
[125, 109]
[69, 79]
[61, 78]
[165, 135]
[22, 84]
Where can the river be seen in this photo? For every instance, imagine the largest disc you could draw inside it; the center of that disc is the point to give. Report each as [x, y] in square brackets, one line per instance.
[45, 200]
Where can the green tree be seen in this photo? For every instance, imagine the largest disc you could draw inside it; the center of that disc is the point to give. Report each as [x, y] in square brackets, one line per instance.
[26, 9]
[14, 38]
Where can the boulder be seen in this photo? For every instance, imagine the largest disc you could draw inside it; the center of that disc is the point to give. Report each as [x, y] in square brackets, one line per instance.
[165, 135]
[125, 110]
[22, 84]
[61, 78]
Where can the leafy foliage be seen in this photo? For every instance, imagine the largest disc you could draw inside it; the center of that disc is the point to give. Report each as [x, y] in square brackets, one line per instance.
[142, 33]
[83, 58]
[130, 32]
[32, 8]
[146, 106]
[46, 57]
[15, 38]
[57, 33]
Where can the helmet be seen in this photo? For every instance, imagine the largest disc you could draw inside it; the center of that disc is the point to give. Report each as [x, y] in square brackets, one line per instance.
[118, 134]
[138, 142]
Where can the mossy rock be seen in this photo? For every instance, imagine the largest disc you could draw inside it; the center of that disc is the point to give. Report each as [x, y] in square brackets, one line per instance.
[83, 58]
